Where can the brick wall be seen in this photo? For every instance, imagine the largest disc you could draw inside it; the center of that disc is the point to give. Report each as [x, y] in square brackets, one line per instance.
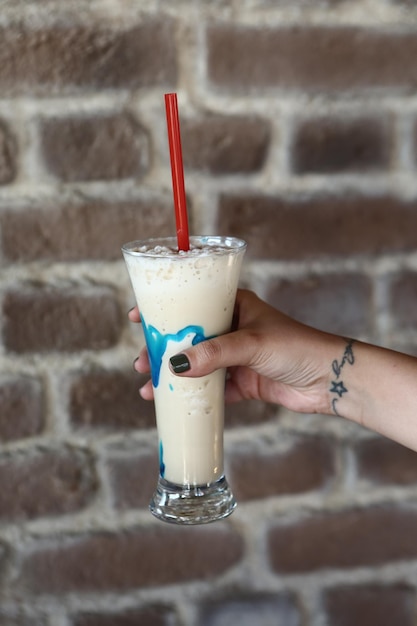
[299, 124]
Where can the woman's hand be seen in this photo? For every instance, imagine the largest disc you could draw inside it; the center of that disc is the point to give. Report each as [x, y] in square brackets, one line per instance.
[269, 356]
[274, 358]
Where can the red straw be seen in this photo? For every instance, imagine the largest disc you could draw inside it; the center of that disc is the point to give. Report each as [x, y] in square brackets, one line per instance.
[177, 170]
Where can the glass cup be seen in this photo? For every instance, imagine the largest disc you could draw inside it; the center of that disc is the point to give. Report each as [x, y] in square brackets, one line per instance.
[185, 298]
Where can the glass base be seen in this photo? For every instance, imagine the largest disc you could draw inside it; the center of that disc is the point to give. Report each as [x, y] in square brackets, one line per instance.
[192, 504]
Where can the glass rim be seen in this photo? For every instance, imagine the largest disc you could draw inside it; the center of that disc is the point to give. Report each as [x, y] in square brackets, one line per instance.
[232, 245]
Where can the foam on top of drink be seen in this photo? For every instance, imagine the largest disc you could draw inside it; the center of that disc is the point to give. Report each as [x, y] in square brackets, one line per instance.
[195, 250]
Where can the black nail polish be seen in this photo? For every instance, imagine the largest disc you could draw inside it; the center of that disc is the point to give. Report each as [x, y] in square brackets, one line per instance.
[180, 363]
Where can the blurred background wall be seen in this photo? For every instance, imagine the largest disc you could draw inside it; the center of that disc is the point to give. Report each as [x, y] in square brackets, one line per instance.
[299, 124]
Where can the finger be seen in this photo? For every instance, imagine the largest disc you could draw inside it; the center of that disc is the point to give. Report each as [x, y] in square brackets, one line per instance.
[237, 348]
[134, 315]
[146, 392]
[232, 392]
[142, 363]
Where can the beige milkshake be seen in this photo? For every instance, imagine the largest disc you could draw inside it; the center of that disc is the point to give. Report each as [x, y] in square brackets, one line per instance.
[185, 298]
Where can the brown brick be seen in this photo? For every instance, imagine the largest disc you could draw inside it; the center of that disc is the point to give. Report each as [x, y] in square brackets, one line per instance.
[46, 483]
[363, 605]
[149, 616]
[346, 539]
[249, 609]
[310, 57]
[381, 461]
[308, 464]
[133, 479]
[109, 399]
[46, 318]
[94, 148]
[339, 303]
[403, 301]
[249, 413]
[320, 226]
[154, 555]
[225, 144]
[69, 56]
[21, 407]
[8, 155]
[329, 145]
[75, 232]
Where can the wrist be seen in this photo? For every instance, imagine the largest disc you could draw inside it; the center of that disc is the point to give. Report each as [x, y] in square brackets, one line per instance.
[337, 358]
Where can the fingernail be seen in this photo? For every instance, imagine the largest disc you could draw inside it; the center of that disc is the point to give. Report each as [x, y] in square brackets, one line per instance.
[134, 363]
[180, 363]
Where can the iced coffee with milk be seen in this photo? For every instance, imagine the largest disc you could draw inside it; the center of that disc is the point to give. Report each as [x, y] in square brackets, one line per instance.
[186, 297]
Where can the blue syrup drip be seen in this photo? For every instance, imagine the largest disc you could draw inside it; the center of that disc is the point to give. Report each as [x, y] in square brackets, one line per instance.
[157, 343]
[161, 460]
[171, 387]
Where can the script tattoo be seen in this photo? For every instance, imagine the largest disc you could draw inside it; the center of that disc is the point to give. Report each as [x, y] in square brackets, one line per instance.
[338, 387]
[348, 357]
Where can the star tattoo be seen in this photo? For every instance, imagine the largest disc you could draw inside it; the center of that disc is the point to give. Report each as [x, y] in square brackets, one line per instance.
[338, 388]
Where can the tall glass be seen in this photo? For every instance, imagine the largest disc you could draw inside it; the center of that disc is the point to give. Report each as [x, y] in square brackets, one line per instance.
[185, 298]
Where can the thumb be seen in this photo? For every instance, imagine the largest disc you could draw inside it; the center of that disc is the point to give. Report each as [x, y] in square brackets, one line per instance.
[228, 350]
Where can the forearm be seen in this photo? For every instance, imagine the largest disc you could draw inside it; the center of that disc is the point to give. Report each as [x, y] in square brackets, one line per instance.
[376, 388]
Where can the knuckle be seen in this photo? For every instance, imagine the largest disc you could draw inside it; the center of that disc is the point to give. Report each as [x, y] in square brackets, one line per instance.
[210, 350]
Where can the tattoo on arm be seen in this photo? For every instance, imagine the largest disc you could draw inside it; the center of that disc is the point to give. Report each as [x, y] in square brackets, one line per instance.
[338, 387]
